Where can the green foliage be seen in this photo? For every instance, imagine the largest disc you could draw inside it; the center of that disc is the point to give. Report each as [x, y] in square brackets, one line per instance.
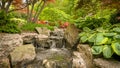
[100, 39]
[96, 50]
[116, 47]
[6, 25]
[101, 18]
[19, 15]
[63, 5]
[116, 29]
[53, 15]
[107, 51]
[105, 41]
[31, 26]
[10, 27]
[18, 20]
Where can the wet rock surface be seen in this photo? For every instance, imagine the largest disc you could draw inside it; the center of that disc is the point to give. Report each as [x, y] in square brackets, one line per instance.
[52, 58]
[106, 63]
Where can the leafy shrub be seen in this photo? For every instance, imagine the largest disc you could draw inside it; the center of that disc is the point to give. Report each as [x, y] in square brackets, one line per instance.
[10, 27]
[18, 15]
[53, 15]
[105, 41]
[6, 25]
[101, 18]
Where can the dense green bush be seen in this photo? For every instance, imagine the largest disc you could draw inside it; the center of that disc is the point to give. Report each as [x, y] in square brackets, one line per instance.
[6, 25]
[103, 41]
[10, 27]
[53, 15]
[101, 18]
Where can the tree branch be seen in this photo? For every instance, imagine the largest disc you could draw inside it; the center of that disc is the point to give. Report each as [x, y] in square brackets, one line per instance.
[0, 5]
[3, 5]
[28, 13]
[38, 8]
[8, 5]
[18, 8]
[33, 3]
[39, 11]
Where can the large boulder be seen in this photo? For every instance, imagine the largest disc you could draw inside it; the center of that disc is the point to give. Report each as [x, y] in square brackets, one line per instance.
[22, 55]
[71, 35]
[52, 58]
[8, 42]
[4, 63]
[86, 54]
[106, 63]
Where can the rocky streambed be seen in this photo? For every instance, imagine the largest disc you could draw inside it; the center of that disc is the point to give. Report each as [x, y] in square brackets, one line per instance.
[49, 49]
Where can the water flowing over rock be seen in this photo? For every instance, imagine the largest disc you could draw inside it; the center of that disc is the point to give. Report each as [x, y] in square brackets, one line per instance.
[52, 58]
[55, 40]
[57, 32]
[41, 41]
[49, 49]
[22, 55]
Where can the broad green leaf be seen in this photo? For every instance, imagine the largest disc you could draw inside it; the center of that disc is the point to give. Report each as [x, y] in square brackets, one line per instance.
[116, 29]
[82, 33]
[83, 39]
[96, 50]
[100, 39]
[109, 41]
[117, 37]
[107, 51]
[92, 38]
[101, 29]
[86, 29]
[104, 41]
[109, 34]
[116, 47]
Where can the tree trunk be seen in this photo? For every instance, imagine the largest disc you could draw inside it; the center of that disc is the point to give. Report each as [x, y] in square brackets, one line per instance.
[39, 11]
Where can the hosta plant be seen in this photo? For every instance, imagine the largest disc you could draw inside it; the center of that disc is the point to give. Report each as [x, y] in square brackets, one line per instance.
[103, 41]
